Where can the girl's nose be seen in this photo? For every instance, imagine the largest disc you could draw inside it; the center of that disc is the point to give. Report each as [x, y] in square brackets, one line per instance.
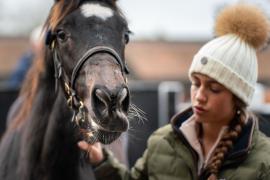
[201, 95]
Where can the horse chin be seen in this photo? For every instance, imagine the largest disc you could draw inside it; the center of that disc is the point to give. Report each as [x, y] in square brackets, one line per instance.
[104, 137]
[93, 132]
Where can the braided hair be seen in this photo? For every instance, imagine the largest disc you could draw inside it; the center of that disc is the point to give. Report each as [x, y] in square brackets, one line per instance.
[227, 140]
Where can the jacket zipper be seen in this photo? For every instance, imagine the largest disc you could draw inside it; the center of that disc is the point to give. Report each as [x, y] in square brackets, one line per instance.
[193, 152]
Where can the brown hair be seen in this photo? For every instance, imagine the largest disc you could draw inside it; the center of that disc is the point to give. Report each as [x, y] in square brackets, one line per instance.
[227, 140]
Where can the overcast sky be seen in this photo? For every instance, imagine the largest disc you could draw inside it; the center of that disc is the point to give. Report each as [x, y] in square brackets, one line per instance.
[150, 19]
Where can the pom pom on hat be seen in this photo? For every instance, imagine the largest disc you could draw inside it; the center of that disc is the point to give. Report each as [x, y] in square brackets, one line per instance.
[231, 58]
[245, 21]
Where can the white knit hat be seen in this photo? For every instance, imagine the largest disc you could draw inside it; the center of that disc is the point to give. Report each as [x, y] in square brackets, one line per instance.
[231, 58]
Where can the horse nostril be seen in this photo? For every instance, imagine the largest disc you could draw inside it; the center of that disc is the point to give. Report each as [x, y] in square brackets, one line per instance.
[103, 96]
[101, 102]
[124, 99]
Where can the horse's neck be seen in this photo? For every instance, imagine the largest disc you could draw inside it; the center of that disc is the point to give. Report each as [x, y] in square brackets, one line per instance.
[59, 142]
[60, 131]
[48, 142]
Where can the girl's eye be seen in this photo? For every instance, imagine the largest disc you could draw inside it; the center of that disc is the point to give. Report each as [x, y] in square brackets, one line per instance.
[215, 89]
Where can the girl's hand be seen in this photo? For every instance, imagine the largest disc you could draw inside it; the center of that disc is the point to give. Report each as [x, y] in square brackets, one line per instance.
[94, 151]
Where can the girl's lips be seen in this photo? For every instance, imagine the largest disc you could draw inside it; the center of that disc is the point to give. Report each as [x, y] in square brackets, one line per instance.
[199, 110]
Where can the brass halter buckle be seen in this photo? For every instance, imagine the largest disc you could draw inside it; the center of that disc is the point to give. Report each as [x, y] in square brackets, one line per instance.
[79, 117]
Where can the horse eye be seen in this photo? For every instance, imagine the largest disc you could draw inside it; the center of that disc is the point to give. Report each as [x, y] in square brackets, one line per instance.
[126, 37]
[61, 35]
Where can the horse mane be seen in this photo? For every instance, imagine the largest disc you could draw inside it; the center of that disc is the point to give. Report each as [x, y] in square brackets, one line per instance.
[59, 10]
[28, 91]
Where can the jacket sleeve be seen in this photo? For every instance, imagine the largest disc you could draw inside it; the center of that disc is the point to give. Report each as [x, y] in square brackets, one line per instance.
[112, 169]
[263, 172]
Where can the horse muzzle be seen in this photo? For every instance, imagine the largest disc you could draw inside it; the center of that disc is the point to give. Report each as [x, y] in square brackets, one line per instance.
[111, 108]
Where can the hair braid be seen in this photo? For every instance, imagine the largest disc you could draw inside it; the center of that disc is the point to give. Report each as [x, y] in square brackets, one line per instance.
[226, 143]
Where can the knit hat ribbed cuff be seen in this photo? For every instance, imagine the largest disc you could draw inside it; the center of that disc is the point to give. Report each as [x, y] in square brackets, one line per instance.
[224, 75]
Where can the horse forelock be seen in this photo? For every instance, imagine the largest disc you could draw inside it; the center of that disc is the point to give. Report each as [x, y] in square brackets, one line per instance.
[62, 8]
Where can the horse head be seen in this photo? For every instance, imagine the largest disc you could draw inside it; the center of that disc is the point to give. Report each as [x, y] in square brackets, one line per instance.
[87, 39]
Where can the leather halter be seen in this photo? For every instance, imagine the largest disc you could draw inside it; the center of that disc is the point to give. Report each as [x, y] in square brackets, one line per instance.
[73, 100]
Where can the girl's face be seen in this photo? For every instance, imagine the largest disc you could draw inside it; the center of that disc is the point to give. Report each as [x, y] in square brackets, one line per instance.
[211, 101]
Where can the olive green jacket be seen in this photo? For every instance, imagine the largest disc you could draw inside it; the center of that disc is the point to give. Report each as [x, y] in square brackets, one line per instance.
[169, 157]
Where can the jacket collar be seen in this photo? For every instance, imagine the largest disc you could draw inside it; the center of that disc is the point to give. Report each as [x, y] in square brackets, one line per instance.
[241, 146]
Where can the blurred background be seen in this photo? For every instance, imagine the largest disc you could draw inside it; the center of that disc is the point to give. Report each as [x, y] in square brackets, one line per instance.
[166, 35]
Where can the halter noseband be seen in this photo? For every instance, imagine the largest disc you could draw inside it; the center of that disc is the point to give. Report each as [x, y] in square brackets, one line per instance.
[73, 100]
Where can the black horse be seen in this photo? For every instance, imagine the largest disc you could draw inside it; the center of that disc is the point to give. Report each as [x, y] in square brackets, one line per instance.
[76, 90]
